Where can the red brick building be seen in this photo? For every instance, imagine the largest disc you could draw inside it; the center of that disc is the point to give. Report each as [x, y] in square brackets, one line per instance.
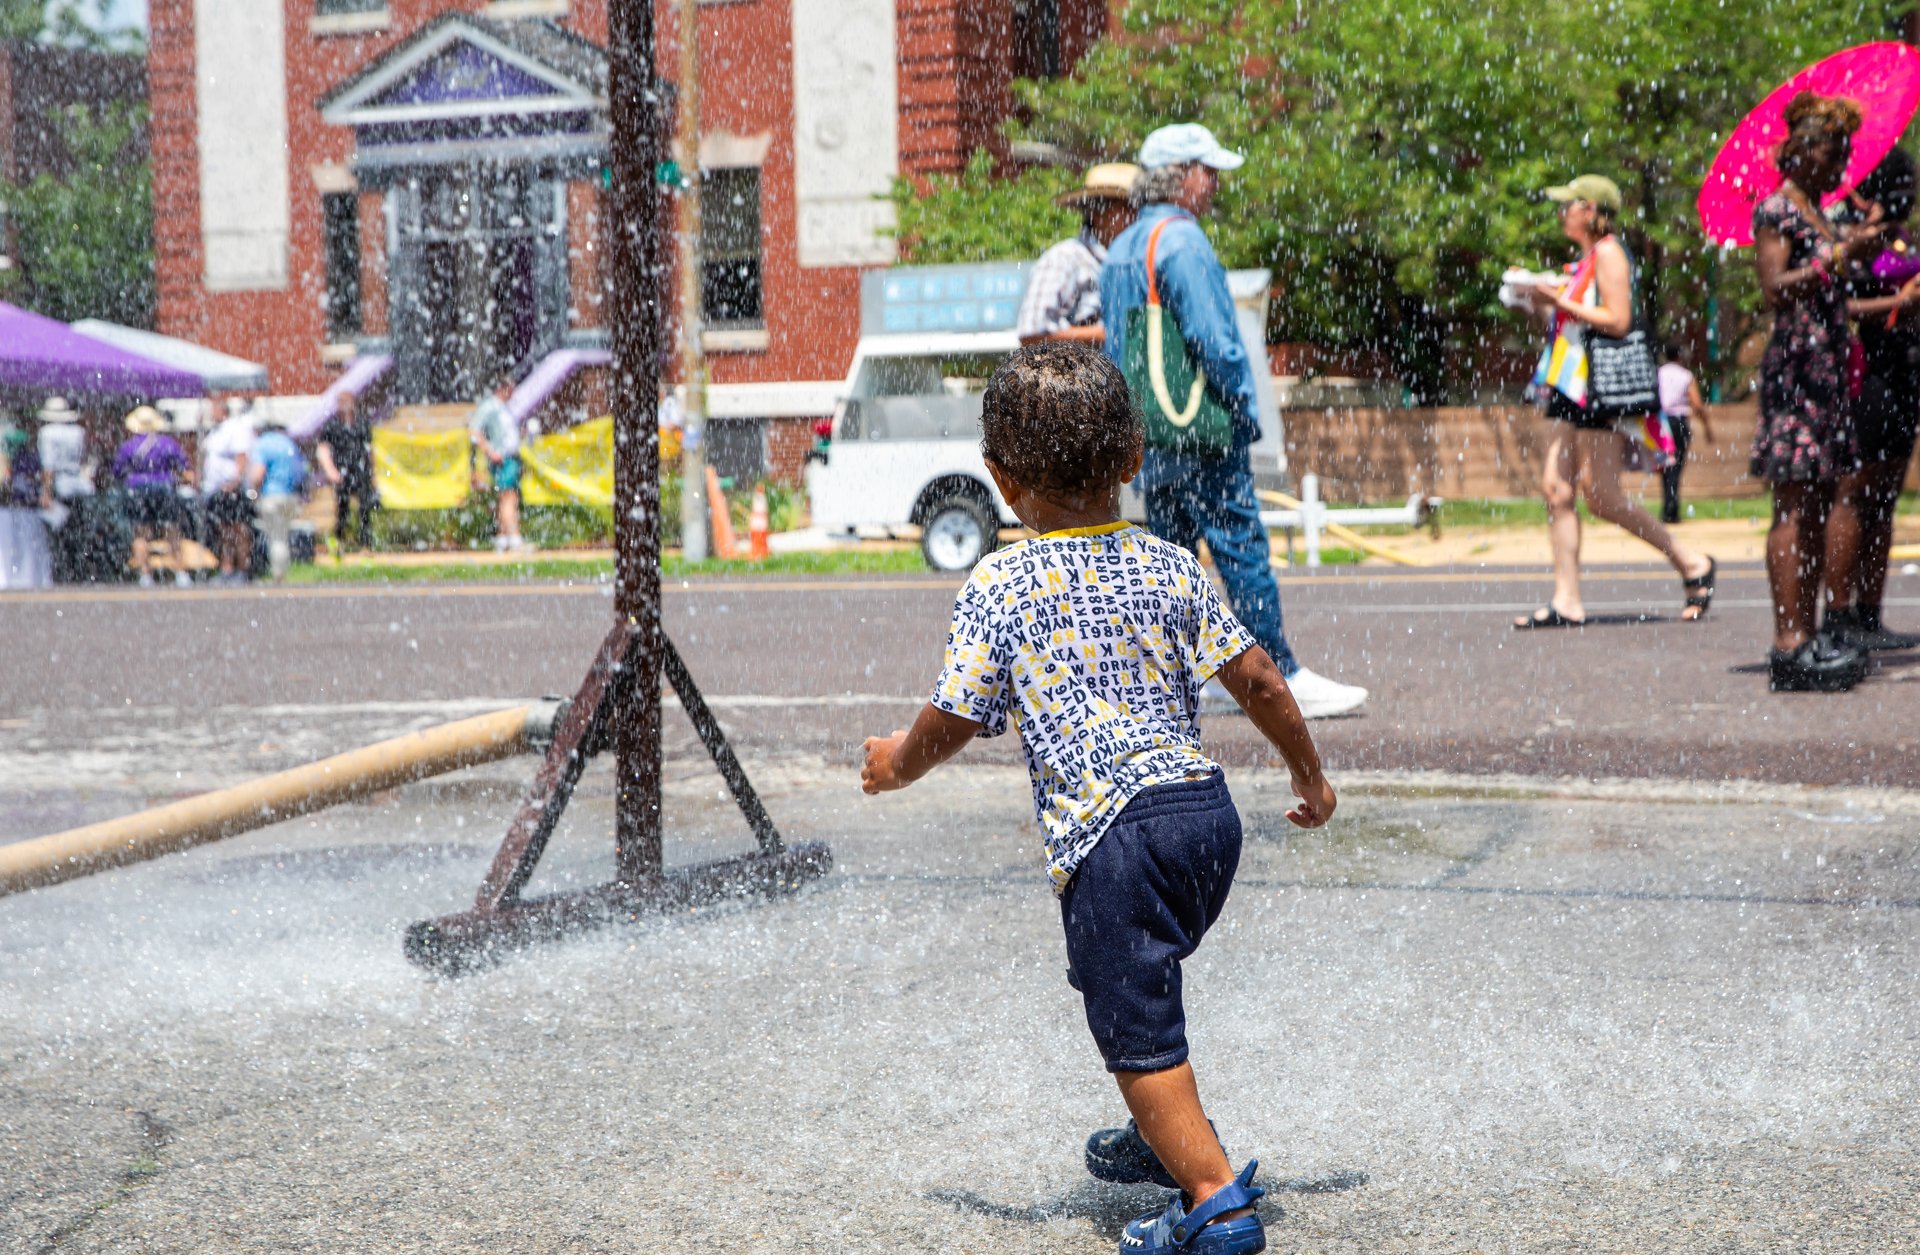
[423, 180]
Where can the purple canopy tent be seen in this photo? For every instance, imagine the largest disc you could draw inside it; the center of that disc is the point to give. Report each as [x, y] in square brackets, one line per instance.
[362, 373]
[40, 355]
[546, 379]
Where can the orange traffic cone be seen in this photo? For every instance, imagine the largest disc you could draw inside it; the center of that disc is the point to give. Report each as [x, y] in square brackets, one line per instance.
[757, 527]
[724, 545]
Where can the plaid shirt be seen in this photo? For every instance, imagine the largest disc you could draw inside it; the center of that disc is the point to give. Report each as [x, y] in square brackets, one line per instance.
[1065, 288]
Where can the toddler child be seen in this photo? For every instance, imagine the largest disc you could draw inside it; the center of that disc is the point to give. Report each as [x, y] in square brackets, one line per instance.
[1094, 638]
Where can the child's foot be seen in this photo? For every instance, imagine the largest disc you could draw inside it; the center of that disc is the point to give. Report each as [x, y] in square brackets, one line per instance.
[1177, 1231]
[1123, 1157]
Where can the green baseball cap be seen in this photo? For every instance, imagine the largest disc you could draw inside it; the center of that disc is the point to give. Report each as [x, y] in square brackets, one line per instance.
[1595, 189]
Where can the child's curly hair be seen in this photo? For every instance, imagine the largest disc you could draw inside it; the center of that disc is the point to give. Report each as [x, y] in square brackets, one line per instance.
[1057, 417]
[1813, 120]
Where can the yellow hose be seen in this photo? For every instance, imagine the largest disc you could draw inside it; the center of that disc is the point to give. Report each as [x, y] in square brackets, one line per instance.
[1343, 532]
[270, 799]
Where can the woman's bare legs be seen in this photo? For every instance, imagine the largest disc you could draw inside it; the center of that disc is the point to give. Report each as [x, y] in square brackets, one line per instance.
[1859, 534]
[1559, 477]
[1796, 552]
[1605, 453]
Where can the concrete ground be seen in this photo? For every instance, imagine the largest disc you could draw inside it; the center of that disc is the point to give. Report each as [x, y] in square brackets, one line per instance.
[1625, 963]
[1463, 1019]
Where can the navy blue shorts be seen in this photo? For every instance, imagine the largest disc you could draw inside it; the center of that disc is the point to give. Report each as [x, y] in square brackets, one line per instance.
[1137, 905]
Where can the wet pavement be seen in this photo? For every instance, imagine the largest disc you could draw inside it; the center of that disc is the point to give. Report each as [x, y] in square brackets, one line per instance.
[1506, 1003]
[1448, 1024]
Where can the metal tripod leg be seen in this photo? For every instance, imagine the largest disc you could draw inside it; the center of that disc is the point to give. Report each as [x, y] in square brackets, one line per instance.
[501, 919]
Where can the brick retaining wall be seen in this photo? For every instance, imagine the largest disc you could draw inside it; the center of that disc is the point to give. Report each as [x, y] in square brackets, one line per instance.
[1480, 451]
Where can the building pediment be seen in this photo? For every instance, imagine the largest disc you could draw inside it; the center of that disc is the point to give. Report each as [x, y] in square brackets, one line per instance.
[461, 67]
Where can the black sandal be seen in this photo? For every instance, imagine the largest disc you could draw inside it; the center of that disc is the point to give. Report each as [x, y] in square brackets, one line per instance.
[1699, 592]
[1546, 617]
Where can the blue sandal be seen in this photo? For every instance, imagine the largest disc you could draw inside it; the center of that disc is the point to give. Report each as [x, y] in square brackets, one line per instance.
[1177, 1231]
[1123, 1157]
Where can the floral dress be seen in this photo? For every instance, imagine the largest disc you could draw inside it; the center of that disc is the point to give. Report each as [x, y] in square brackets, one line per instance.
[1806, 418]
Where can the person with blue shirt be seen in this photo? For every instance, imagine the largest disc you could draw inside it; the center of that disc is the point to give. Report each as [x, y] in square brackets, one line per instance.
[1189, 496]
[279, 473]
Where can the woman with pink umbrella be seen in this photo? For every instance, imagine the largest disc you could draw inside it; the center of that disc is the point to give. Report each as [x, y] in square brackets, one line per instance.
[1802, 148]
[1805, 440]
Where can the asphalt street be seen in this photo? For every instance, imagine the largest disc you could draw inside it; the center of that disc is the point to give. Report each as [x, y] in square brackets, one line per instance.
[813, 666]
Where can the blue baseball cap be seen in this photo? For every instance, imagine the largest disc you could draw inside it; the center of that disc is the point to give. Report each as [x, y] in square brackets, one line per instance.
[1186, 142]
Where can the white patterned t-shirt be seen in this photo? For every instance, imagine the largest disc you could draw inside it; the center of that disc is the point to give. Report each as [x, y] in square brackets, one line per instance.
[1095, 642]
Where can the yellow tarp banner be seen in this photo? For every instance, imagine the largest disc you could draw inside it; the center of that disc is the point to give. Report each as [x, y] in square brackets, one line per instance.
[433, 470]
[421, 470]
[571, 467]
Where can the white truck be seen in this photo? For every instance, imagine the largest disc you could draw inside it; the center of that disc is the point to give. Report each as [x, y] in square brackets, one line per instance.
[904, 455]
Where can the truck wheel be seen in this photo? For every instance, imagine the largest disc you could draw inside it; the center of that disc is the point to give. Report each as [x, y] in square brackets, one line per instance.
[960, 530]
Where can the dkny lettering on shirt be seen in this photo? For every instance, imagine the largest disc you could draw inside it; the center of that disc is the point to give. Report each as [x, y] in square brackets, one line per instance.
[1094, 643]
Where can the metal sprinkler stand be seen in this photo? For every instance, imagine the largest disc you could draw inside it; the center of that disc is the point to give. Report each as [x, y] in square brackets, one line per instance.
[502, 920]
[618, 706]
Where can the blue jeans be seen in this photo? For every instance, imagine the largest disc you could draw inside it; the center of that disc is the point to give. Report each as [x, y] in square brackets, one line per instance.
[1188, 498]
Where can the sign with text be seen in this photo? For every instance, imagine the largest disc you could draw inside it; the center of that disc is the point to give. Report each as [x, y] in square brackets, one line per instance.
[910, 299]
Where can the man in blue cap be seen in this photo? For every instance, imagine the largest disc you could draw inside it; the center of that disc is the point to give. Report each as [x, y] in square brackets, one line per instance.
[1190, 496]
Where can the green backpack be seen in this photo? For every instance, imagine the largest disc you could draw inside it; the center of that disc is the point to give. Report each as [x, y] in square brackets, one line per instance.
[1183, 415]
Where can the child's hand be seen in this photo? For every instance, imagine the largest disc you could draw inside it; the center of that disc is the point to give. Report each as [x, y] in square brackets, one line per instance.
[881, 774]
[1316, 802]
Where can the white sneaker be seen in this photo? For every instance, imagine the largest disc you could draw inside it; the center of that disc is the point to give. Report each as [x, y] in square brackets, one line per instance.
[1321, 698]
[1215, 700]
[182, 580]
[146, 579]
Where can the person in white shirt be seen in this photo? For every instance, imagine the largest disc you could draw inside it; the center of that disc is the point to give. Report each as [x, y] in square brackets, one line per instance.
[496, 438]
[1681, 402]
[1063, 292]
[224, 456]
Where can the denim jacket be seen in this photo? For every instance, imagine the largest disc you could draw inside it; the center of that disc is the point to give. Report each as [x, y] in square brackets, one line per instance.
[1193, 289]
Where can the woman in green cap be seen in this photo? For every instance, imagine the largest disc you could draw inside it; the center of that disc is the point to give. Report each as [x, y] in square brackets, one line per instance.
[1585, 441]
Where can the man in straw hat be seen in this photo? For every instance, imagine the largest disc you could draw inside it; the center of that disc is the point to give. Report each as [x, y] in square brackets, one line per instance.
[1063, 294]
[151, 465]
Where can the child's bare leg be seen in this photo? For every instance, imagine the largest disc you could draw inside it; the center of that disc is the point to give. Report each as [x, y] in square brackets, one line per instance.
[1166, 1106]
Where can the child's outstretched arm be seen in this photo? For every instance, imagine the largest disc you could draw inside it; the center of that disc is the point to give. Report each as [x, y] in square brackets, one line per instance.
[1263, 693]
[894, 762]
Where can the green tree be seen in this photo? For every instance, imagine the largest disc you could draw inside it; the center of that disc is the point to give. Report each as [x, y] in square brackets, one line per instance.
[75, 23]
[22, 19]
[83, 241]
[1396, 150]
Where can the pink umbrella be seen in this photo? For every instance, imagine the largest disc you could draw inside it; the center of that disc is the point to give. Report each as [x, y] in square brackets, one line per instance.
[1883, 78]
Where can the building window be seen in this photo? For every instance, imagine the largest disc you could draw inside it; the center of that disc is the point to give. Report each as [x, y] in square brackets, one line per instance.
[730, 293]
[340, 215]
[1036, 39]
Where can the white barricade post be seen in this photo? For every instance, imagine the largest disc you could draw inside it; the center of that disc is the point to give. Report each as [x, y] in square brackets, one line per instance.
[1311, 515]
[1314, 517]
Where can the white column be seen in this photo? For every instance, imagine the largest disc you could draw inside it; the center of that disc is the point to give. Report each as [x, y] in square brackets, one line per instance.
[846, 130]
[240, 88]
